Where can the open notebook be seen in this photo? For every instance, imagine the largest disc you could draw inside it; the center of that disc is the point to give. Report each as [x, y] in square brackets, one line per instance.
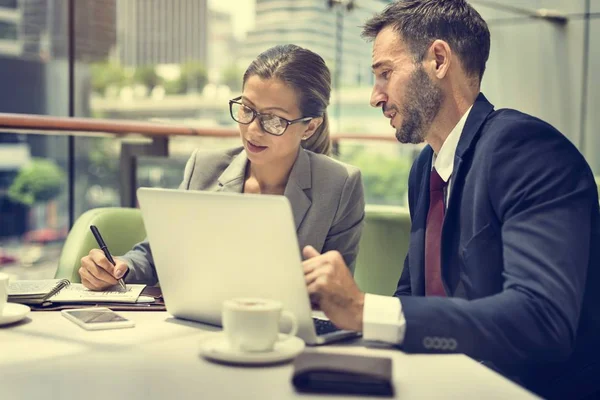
[48, 291]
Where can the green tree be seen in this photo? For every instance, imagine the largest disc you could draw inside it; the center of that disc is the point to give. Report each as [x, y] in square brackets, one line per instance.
[38, 182]
[232, 77]
[193, 76]
[385, 177]
[174, 86]
[146, 76]
[106, 74]
[103, 166]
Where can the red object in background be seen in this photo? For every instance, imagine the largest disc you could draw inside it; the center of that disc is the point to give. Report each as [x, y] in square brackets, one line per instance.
[6, 259]
[45, 235]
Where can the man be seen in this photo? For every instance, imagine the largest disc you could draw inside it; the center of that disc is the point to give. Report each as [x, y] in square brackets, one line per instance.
[502, 262]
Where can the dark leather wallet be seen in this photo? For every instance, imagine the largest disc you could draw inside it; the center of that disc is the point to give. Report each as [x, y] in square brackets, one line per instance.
[319, 372]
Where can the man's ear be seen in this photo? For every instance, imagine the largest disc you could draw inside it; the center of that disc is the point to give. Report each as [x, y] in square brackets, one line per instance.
[439, 58]
[312, 127]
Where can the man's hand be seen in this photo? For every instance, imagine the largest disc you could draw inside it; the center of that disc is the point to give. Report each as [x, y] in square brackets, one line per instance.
[331, 286]
[97, 273]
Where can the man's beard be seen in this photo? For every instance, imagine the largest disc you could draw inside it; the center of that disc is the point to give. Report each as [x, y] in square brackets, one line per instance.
[421, 105]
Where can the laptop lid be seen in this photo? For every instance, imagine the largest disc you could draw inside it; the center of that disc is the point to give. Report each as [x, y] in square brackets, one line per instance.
[210, 246]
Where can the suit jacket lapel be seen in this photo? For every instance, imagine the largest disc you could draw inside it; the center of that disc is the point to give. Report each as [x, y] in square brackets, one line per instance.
[299, 180]
[232, 179]
[478, 115]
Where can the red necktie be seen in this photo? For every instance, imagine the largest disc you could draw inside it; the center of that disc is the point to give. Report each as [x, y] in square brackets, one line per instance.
[433, 236]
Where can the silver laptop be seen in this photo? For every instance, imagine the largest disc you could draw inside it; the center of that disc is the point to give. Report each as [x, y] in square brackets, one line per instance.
[209, 247]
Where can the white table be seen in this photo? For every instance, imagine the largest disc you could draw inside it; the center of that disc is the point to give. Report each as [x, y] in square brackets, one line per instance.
[48, 357]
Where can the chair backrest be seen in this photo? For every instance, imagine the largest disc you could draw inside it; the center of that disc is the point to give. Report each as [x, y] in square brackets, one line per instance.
[382, 249]
[121, 228]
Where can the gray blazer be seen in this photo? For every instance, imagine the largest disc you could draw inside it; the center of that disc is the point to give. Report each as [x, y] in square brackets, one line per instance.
[326, 197]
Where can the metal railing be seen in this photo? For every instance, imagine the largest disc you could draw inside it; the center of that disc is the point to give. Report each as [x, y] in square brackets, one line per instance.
[156, 145]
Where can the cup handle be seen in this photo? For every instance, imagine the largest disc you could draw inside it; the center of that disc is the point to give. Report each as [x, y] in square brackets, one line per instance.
[292, 318]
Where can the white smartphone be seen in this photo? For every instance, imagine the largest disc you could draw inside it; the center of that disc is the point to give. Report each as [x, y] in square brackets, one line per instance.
[97, 318]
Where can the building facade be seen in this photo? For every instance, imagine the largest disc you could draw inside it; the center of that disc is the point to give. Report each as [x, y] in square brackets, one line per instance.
[38, 29]
[314, 24]
[222, 45]
[151, 32]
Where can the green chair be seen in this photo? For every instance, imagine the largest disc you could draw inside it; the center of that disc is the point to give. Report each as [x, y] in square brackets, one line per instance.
[382, 249]
[121, 228]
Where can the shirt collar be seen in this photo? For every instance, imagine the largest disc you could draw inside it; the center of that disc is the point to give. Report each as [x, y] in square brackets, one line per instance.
[444, 160]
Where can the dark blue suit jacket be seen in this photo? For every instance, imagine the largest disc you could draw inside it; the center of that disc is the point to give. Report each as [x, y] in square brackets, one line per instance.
[519, 252]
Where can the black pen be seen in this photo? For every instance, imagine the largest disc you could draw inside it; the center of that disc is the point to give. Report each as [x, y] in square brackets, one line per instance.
[102, 245]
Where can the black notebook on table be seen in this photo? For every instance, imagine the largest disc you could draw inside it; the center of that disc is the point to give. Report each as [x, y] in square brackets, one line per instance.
[61, 291]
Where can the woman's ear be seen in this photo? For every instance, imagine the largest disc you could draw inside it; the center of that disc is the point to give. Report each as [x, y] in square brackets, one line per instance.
[312, 127]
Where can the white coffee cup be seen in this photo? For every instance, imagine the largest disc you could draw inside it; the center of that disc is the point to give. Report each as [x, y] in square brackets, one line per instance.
[252, 324]
[3, 290]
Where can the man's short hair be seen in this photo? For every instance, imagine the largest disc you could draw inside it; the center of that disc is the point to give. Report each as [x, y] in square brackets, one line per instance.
[420, 22]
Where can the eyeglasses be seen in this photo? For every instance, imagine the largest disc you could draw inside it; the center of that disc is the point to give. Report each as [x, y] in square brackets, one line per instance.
[269, 123]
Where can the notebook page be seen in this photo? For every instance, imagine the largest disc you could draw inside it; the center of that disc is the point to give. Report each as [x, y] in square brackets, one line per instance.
[77, 293]
[32, 287]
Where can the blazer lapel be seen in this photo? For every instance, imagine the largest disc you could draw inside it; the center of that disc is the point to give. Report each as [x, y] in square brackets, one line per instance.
[299, 180]
[478, 115]
[232, 179]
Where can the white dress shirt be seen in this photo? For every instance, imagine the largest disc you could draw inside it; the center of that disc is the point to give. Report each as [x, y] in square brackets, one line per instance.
[383, 319]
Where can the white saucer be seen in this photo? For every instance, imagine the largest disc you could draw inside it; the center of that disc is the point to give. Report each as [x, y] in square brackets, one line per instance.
[217, 348]
[13, 312]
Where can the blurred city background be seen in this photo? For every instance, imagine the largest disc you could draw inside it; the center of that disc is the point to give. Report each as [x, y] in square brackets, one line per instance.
[180, 61]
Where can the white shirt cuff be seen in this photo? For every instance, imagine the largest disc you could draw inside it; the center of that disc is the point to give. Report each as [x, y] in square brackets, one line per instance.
[383, 319]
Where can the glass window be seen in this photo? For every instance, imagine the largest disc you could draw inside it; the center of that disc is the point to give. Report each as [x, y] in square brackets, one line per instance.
[9, 3]
[177, 62]
[8, 31]
[181, 61]
[33, 167]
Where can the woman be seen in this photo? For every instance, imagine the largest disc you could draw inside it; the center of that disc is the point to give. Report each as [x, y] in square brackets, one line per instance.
[285, 135]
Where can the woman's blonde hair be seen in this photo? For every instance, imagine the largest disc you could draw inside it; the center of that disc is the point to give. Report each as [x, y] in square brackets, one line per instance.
[307, 73]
